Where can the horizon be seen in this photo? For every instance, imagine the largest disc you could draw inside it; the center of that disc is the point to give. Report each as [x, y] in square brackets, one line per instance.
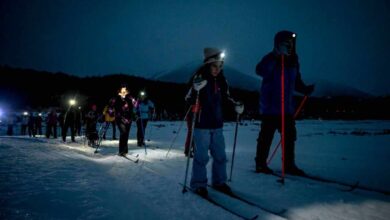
[337, 41]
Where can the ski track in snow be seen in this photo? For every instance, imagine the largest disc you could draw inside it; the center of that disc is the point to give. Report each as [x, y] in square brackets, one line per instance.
[47, 179]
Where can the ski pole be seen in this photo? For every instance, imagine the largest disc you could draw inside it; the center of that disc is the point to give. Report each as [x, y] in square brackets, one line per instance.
[283, 121]
[178, 131]
[192, 135]
[295, 116]
[234, 147]
[143, 133]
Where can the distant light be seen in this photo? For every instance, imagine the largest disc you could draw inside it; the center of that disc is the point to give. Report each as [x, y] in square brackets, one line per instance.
[25, 113]
[293, 35]
[40, 114]
[222, 55]
[79, 107]
[142, 93]
[72, 102]
[1, 112]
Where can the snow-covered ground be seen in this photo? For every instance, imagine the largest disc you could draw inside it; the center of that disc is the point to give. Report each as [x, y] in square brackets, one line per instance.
[46, 179]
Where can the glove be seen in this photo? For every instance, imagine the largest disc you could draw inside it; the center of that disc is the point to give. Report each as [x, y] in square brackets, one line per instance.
[199, 83]
[239, 108]
[309, 90]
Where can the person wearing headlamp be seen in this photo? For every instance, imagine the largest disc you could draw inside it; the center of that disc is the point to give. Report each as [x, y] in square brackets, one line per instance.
[282, 61]
[209, 88]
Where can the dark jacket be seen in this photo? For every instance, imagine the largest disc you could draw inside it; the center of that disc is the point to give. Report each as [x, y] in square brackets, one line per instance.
[270, 68]
[91, 120]
[124, 109]
[70, 116]
[211, 99]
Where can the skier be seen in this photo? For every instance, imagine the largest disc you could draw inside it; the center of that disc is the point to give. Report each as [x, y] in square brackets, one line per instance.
[91, 120]
[123, 117]
[270, 68]
[31, 125]
[143, 110]
[25, 118]
[69, 122]
[109, 118]
[78, 121]
[51, 124]
[38, 124]
[10, 124]
[208, 134]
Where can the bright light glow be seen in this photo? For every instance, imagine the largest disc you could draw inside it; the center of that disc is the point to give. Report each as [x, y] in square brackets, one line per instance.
[40, 114]
[142, 93]
[72, 102]
[293, 35]
[1, 112]
[79, 107]
[223, 55]
[25, 113]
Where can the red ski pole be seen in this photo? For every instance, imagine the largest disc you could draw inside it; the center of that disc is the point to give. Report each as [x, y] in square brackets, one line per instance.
[283, 118]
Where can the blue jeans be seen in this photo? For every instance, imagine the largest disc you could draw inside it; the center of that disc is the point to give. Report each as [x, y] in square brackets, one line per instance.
[205, 140]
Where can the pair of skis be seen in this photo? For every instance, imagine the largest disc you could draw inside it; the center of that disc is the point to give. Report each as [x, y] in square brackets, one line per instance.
[238, 205]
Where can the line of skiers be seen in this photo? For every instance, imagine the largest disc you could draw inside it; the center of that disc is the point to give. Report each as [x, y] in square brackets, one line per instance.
[120, 111]
[281, 78]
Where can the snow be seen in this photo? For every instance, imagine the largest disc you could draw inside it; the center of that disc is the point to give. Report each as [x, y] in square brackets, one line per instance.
[47, 179]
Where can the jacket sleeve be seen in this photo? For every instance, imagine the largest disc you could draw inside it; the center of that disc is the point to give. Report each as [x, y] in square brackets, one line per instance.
[227, 94]
[265, 66]
[190, 97]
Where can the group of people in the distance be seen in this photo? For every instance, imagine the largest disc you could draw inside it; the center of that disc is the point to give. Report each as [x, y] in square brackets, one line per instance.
[121, 111]
[281, 77]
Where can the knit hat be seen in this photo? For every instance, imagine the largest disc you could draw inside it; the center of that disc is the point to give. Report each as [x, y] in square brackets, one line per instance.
[212, 55]
[282, 36]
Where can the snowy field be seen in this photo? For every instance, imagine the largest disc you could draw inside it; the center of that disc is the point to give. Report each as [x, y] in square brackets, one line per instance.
[47, 179]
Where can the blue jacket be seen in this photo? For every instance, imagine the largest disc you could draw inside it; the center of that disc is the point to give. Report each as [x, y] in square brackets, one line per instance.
[143, 108]
[211, 98]
[270, 69]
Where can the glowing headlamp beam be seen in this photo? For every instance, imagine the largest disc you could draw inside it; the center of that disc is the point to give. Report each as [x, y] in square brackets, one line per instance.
[72, 102]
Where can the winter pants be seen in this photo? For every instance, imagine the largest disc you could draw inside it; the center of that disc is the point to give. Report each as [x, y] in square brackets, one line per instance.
[124, 130]
[141, 128]
[268, 127]
[205, 140]
[65, 130]
[24, 129]
[10, 130]
[31, 130]
[51, 128]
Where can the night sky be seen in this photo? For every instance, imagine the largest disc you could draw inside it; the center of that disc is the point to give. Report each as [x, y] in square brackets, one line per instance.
[338, 41]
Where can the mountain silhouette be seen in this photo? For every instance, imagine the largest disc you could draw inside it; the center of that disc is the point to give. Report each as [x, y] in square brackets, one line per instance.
[235, 78]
